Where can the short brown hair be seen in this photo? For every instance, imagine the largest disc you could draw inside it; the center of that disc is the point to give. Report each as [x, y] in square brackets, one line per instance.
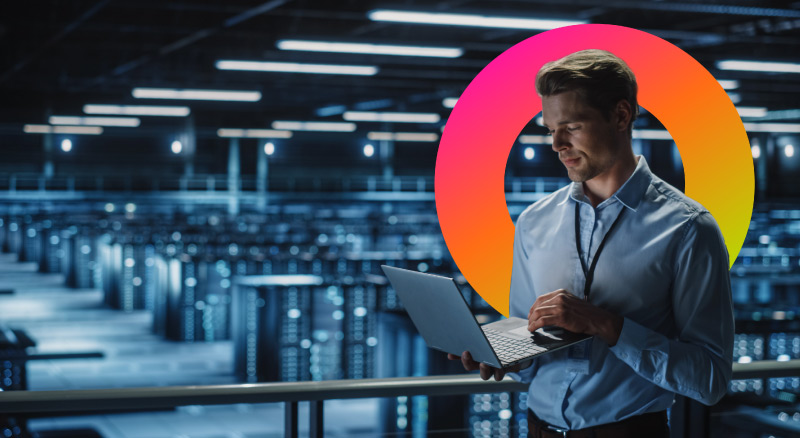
[599, 77]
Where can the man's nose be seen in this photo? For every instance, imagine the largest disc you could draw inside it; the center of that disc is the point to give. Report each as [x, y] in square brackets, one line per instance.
[559, 142]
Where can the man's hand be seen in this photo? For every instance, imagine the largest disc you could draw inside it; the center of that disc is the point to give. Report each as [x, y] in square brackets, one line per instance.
[486, 371]
[562, 309]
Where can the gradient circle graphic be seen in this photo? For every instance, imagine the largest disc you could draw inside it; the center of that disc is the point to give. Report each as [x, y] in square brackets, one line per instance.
[502, 99]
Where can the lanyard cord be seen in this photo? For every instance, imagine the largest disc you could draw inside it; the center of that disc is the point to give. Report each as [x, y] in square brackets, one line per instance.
[589, 274]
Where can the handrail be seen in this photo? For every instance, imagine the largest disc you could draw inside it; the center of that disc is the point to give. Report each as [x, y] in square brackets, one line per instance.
[36, 403]
[99, 400]
[766, 369]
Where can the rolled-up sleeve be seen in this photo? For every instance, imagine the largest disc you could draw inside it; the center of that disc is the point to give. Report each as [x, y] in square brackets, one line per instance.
[698, 364]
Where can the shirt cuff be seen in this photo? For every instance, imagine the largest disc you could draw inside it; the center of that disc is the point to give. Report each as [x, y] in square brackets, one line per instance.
[631, 343]
[524, 375]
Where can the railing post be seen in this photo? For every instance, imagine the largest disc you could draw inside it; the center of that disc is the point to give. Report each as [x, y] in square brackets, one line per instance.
[290, 420]
[316, 429]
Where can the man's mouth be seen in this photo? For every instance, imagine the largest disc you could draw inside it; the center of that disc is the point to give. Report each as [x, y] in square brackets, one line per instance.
[569, 162]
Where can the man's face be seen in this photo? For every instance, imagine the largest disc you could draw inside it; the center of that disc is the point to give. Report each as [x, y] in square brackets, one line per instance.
[584, 139]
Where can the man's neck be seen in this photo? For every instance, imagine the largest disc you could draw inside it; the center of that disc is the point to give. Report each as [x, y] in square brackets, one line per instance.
[603, 186]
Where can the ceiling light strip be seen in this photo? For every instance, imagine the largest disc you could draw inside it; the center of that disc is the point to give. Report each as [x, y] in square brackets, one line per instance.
[127, 122]
[253, 133]
[370, 116]
[371, 49]
[402, 136]
[760, 66]
[313, 126]
[137, 110]
[294, 67]
[467, 20]
[48, 129]
[177, 94]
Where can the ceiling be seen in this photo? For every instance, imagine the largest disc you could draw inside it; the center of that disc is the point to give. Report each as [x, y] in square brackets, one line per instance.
[57, 56]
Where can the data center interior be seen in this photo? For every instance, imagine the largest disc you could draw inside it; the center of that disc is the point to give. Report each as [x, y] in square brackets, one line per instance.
[196, 194]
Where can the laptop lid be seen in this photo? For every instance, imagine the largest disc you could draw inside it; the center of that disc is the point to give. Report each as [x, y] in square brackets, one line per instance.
[441, 315]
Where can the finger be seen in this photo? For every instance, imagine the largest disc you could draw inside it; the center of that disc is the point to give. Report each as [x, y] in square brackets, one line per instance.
[540, 313]
[545, 297]
[545, 321]
[469, 364]
[498, 374]
[486, 371]
[453, 356]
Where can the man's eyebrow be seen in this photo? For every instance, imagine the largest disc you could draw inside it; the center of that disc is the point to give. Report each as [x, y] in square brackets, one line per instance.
[563, 122]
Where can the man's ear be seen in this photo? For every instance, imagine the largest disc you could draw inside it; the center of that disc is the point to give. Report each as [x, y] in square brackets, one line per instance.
[623, 113]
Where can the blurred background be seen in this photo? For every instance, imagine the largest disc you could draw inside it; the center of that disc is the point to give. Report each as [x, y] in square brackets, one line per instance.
[202, 192]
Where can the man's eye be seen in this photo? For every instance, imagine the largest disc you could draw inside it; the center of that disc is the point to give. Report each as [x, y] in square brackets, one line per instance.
[573, 128]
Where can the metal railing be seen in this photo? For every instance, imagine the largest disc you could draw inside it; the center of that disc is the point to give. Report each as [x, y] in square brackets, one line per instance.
[48, 403]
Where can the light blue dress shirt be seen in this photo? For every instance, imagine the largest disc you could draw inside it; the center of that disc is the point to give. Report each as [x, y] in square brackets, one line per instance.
[664, 269]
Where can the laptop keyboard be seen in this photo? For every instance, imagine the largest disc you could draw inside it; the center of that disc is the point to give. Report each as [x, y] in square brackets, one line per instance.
[510, 350]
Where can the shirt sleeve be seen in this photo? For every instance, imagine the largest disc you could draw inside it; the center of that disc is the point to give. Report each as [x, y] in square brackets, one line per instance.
[521, 290]
[698, 364]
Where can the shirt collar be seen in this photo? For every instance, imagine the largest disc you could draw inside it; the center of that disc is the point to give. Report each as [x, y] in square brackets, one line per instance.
[629, 194]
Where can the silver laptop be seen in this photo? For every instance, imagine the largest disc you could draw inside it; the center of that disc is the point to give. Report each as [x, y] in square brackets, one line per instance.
[444, 320]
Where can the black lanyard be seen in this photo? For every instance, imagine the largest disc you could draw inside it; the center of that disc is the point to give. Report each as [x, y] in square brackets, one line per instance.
[589, 274]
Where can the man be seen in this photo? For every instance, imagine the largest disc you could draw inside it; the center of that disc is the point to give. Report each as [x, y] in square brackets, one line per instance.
[621, 255]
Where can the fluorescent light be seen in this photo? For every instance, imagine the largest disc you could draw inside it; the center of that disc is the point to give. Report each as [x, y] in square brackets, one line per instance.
[369, 150]
[651, 134]
[176, 147]
[171, 93]
[47, 129]
[789, 114]
[269, 148]
[449, 102]
[402, 136]
[535, 139]
[129, 122]
[296, 67]
[728, 84]
[756, 150]
[314, 126]
[370, 116]
[137, 110]
[772, 127]
[252, 133]
[751, 111]
[373, 49]
[788, 150]
[467, 20]
[735, 97]
[66, 145]
[771, 67]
